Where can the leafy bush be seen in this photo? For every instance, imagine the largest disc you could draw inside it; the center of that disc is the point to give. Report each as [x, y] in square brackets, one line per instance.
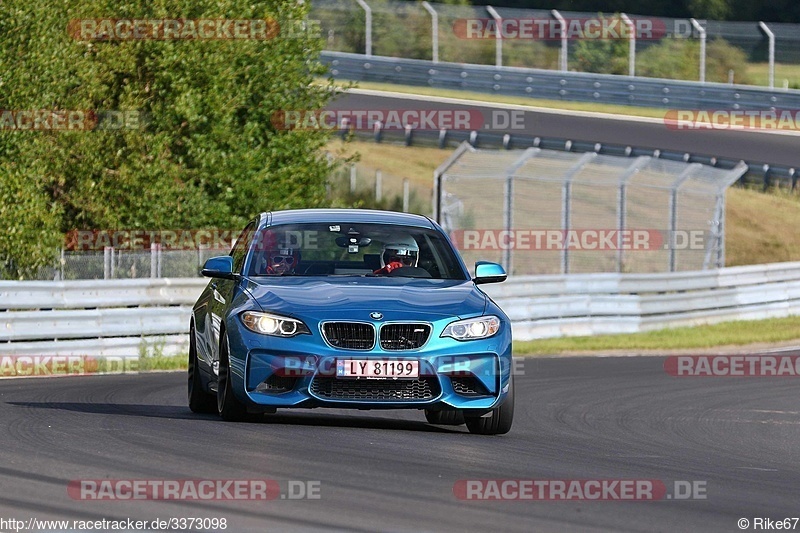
[680, 59]
[208, 154]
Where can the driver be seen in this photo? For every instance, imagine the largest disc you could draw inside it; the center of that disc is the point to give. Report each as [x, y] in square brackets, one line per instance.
[399, 251]
[278, 257]
[282, 260]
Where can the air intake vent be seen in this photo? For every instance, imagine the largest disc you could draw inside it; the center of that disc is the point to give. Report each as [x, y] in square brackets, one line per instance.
[404, 336]
[426, 388]
[276, 384]
[468, 386]
[349, 335]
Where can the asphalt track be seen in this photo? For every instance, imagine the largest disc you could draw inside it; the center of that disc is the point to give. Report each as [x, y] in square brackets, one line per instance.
[775, 149]
[576, 418]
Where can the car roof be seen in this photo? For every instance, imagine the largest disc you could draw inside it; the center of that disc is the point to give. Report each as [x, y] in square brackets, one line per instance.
[294, 216]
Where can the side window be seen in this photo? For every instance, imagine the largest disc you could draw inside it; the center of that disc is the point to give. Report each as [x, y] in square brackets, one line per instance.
[239, 251]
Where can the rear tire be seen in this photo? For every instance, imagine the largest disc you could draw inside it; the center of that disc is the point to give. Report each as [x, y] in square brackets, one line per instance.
[501, 419]
[200, 401]
[444, 418]
[228, 407]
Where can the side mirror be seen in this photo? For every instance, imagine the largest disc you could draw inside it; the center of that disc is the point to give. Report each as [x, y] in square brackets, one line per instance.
[486, 272]
[219, 267]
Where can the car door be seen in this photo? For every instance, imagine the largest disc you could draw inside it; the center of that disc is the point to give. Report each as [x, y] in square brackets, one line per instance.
[223, 292]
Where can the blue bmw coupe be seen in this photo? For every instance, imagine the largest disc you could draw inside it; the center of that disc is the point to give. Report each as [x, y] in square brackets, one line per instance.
[350, 308]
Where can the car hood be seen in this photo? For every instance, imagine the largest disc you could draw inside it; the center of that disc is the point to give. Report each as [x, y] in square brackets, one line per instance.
[348, 297]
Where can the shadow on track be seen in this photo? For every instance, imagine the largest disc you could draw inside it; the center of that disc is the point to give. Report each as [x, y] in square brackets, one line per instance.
[183, 413]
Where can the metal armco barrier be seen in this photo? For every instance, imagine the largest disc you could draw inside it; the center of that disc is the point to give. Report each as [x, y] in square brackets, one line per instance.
[596, 304]
[553, 85]
[114, 317]
[96, 317]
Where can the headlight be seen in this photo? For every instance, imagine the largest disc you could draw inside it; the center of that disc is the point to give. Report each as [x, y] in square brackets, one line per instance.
[278, 326]
[472, 328]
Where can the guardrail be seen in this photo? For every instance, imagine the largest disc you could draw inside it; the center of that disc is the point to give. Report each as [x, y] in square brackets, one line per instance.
[556, 85]
[594, 304]
[96, 317]
[114, 317]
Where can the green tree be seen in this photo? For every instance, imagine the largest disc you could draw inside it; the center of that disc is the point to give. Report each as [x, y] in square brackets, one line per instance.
[602, 56]
[208, 153]
[709, 9]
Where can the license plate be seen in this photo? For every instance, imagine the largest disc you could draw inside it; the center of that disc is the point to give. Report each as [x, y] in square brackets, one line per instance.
[376, 368]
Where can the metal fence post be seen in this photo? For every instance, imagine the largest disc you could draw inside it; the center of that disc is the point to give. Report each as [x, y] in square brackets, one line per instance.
[368, 26]
[406, 193]
[702, 31]
[715, 242]
[721, 249]
[771, 37]
[631, 44]
[107, 262]
[566, 205]
[508, 203]
[437, 179]
[508, 219]
[353, 176]
[434, 31]
[564, 44]
[673, 210]
[153, 259]
[622, 201]
[498, 60]
[378, 185]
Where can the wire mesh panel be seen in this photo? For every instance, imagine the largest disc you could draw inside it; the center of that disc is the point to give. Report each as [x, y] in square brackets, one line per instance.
[539, 211]
[537, 206]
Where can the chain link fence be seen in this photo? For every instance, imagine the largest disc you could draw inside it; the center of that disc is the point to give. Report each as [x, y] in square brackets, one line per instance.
[540, 211]
[113, 263]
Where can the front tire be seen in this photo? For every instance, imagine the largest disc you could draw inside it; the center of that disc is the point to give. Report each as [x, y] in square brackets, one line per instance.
[200, 401]
[228, 407]
[501, 419]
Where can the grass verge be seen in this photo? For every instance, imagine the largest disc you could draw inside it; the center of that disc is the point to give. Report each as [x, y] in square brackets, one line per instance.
[151, 357]
[759, 73]
[740, 333]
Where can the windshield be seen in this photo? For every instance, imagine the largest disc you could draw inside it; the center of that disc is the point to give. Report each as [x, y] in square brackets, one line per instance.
[341, 249]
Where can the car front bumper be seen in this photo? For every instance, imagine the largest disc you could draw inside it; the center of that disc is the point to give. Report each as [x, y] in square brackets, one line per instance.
[300, 372]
